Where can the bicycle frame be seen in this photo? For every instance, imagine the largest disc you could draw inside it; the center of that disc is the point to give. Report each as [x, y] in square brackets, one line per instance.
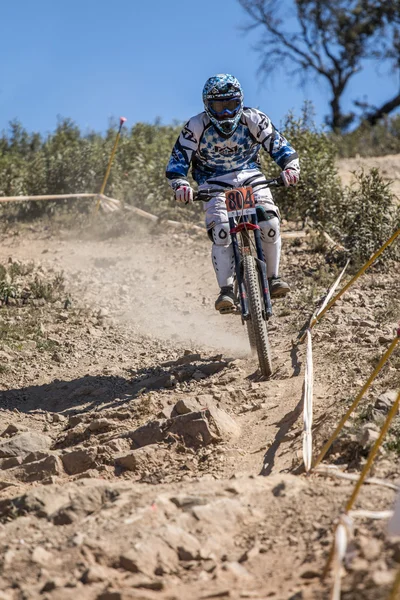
[242, 227]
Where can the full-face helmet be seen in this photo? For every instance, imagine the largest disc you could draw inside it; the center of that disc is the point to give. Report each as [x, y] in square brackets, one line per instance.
[223, 102]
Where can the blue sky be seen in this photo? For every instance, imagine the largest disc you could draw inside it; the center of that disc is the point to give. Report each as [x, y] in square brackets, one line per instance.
[92, 60]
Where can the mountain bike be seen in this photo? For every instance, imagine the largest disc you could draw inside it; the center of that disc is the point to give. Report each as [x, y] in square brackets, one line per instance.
[253, 300]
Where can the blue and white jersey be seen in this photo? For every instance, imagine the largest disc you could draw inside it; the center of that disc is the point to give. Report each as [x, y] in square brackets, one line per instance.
[212, 154]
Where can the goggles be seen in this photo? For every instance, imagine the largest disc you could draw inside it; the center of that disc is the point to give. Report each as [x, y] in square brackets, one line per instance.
[225, 107]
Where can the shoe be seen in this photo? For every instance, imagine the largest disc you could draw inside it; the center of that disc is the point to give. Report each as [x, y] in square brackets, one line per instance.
[277, 287]
[226, 300]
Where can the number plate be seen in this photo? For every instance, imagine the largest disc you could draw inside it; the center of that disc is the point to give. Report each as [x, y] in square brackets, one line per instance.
[240, 201]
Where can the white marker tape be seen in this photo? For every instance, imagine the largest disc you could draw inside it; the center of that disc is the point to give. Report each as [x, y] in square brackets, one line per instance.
[308, 405]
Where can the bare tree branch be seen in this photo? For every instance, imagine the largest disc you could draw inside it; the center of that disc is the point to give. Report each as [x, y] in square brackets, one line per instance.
[382, 111]
[331, 41]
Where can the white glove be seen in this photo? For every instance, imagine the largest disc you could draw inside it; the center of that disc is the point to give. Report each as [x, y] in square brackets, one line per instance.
[289, 177]
[184, 193]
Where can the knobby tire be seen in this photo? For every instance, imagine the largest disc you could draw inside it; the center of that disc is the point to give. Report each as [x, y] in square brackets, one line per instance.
[256, 325]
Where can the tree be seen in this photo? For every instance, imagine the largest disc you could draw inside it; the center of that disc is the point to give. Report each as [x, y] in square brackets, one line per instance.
[331, 40]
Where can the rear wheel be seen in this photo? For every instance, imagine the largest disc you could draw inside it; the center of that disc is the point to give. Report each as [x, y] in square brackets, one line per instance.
[256, 325]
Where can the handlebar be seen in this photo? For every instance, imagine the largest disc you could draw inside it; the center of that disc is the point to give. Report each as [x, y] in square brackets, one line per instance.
[207, 193]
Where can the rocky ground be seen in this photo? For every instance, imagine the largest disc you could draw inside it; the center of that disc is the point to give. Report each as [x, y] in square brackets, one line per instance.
[141, 454]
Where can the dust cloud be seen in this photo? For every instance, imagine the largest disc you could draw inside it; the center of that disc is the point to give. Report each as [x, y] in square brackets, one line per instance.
[162, 283]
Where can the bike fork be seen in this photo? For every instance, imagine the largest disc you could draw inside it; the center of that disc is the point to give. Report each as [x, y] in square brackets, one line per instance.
[239, 278]
[262, 268]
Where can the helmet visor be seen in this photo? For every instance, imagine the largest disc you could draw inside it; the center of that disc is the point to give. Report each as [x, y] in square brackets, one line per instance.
[224, 107]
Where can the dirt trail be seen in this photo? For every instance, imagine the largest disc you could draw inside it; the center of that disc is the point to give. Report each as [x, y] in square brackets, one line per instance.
[113, 499]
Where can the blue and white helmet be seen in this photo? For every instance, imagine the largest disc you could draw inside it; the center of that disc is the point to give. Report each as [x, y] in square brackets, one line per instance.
[223, 102]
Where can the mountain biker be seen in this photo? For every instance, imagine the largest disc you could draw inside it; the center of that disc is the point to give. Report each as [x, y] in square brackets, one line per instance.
[222, 145]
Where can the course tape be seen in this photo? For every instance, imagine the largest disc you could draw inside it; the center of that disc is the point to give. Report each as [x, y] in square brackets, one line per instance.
[394, 523]
[344, 532]
[331, 291]
[343, 535]
[107, 204]
[308, 405]
[334, 471]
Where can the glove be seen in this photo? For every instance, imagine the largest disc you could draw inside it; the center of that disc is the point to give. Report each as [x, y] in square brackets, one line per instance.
[184, 193]
[289, 177]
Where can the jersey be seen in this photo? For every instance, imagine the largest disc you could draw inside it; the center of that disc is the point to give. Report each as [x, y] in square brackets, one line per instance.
[211, 154]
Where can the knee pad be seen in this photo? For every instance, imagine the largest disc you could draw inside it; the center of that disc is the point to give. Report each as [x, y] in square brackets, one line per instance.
[270, 228]
[220, 235]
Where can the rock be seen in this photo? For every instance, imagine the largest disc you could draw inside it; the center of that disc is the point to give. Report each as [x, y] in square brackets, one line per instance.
[184, 406]
[42, 557]
[111, 595]
[150, 556]
[186, 545]
[8, 463]
[148, 434]
[129, 562]
[367, 323]
[185, 503]
[58, 418]
[78, 461]
[183, 360]
[359, 565]
[382, 578]
[74, 420]
[370, 547]
[141, 458]
[14, 428]
[237, 570]
[37, 470]
[221, 515]
[385, 340]
[193, 428]
[310, 574]
[60, 504]
[250, 554]
[385, 401]
[96, 573]
[100, 425]
[23, 444]
[213, 367]
[34, 456]
[205, 400]
[368, 437]
[227, 428]
[118, 445]
[188, 358]
[198, 375]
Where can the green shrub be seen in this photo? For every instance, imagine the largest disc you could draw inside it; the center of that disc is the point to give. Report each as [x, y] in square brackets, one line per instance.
[361, 217]
[319, 189]
[379, 140]
[367, 217]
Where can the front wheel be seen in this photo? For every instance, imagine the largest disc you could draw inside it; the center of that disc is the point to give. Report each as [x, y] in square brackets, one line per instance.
[256, 325]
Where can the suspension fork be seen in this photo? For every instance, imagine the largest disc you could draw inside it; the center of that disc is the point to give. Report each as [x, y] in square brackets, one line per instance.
[262, 269]
[244, 304]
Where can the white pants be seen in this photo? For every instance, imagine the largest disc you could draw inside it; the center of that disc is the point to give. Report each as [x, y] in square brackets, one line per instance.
[218, 226]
